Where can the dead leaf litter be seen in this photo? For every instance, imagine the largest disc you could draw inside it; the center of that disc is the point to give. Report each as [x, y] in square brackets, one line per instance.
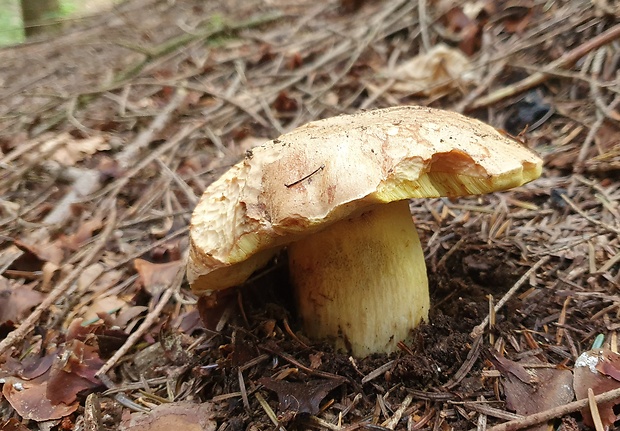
[110, 133]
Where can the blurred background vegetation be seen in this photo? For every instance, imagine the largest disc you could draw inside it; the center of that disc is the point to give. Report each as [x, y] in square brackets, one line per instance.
[12, 25]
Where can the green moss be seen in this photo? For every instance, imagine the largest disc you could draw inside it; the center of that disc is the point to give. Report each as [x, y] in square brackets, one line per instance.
[11, 31]
[10, 23]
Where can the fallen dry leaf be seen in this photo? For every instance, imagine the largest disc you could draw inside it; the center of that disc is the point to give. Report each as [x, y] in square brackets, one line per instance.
[598, 369]
[296, 398]
[440, 71]
[17, 300]
[13, 425]
[184, 416]
[73, 372]
[154, 277]
[510, 369]
[102, 305]
[33, 366]
[29, 399]
[68, 151]
[550, 388]
[108, 339]
[37, 252]
[82, 235]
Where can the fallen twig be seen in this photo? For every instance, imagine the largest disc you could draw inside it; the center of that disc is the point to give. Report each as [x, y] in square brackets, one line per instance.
[478, 330]
[555, 412]
[128, 156]
[568, 59]
[28, 324]
[145, 325]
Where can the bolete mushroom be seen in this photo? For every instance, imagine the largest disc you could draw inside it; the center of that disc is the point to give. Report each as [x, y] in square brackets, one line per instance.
[335, 192]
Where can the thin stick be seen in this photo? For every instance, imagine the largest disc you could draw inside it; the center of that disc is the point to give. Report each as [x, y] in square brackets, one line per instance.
[568, 59]
[596, 416]
[555, 412]
[587, 217]
[243, 390]
[130, 153]
[294, 183]
[398, 414]
[27, 325]
[267, 408]
[426, 40]
[478, 330]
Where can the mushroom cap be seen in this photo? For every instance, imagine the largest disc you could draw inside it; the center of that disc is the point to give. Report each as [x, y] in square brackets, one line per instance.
[329, 169]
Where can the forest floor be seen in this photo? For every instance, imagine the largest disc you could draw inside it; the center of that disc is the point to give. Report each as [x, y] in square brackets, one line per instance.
[110, 133]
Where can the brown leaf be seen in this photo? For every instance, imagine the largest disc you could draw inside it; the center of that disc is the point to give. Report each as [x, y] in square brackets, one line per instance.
[284, 103]
[439, 71]
[597, 369]
[156, 276]
[13, 425]
[184, 416]
[37, 253]
[34, 366]
[610, 364]
[510, 369]
[73, 372]
[68, 151]
[29, 399]
[82, 235]
[300, 397]
[552, 388]
[17, 300]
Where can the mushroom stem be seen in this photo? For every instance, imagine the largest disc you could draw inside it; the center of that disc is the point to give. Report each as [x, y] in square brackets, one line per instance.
[362, 281]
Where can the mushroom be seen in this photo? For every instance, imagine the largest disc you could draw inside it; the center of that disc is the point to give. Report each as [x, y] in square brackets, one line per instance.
[335, 193]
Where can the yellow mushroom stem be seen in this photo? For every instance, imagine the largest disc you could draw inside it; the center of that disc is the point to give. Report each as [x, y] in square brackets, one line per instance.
[362, 281]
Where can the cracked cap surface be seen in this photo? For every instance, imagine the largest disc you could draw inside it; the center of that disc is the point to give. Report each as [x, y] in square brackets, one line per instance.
[326, 170]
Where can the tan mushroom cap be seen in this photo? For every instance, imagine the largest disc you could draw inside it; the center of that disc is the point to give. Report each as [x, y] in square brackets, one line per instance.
[329, 169]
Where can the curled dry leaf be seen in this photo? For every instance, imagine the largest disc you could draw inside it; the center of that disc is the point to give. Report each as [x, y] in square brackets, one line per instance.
[511, 370]
[440, 71]
[297, 397]
[73, 372]
[102, 306]
[598, 369]
[37, 251]
[184, 416]
[83, 234]
[68, 150]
